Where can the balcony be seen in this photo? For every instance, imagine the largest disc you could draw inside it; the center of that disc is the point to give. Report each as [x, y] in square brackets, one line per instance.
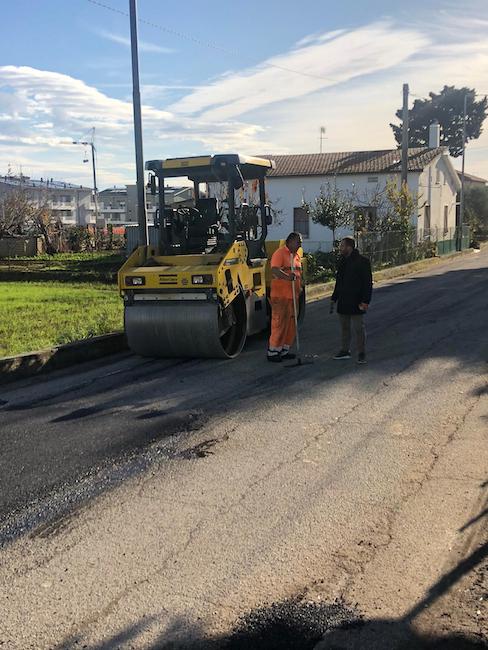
[58, 205]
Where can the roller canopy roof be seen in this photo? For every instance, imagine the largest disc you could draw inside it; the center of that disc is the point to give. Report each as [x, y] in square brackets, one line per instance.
[208, 169]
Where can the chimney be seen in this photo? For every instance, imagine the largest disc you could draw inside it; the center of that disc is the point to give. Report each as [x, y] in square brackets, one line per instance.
[434, 135]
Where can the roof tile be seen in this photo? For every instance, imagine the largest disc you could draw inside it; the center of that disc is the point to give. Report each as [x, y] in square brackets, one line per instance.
[352, 162]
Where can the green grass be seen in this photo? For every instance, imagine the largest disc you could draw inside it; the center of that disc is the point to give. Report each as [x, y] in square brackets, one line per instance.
[37, 315]
[63, 267]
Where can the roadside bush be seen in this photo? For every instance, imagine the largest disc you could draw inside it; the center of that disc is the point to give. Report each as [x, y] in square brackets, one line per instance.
[426, 249]
[476, 213]
[321, 267]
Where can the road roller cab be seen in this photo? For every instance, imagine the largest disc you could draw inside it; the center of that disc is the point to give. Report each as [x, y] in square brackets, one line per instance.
[203, 286]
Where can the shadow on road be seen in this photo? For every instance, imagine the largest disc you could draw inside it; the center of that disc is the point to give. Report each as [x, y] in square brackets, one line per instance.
[288, 625]
[112, 417]
[301, 624]
[398, 313]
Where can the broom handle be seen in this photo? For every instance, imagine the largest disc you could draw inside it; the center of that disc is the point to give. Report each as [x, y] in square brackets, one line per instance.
[292, 268]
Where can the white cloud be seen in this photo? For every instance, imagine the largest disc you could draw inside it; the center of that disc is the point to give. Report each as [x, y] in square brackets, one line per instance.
[72, 107]
[313, 38]
[48, 110]
[357, 115]
[143, 46]
[324, 62]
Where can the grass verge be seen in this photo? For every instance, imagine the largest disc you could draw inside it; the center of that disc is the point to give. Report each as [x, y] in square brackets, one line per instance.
[63, 267]
[37, 315]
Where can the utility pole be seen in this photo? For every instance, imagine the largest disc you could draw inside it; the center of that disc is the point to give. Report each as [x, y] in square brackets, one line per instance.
[136, 103]
[461, 204]
[322, 135]
[405, 135]
[99, 222]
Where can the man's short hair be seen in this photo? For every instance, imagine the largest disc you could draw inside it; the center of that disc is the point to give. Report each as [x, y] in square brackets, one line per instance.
[292, 236]
[349, 241]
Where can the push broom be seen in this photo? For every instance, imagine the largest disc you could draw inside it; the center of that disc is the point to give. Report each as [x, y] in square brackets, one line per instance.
[299, 361]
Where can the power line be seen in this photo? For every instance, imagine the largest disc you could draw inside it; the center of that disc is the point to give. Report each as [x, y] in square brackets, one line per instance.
[168, 30]
[208, 44]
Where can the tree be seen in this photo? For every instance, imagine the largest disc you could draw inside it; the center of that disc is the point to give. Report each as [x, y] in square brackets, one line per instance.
[332, 209]
[16, 212]
[476, 211]
[391, 240]
[49, 228]
[446, 108]
[79, 239]
[401, 207]
[43, 222]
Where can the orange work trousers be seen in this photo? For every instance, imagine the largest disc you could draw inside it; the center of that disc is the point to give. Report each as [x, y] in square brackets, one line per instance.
[282, 324]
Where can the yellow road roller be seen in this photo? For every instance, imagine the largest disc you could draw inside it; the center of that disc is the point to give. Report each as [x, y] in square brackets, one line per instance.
[204, 287]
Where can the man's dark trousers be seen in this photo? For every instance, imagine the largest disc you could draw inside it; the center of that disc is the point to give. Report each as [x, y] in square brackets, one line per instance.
[355, 322]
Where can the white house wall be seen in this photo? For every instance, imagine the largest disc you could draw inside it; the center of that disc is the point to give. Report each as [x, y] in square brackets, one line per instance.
[437, 189]
[287, 193]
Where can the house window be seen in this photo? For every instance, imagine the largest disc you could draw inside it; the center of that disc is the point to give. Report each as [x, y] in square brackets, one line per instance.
[301, 222]
[446, 219]
[427, 221]
[438, 177]
[372, 179]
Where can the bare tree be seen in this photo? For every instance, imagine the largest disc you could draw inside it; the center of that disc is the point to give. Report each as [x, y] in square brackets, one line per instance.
[16, 211]
[43, 223]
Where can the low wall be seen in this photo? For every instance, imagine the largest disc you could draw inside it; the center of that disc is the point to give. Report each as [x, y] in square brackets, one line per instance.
[21, 246]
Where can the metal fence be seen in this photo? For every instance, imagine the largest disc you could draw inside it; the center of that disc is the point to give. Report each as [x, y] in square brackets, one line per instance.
[394, 247]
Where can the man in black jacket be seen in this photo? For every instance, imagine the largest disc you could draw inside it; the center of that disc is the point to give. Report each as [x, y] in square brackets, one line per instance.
[352, 293]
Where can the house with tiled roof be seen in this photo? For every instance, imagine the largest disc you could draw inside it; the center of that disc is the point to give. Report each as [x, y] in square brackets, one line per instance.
[362, 176]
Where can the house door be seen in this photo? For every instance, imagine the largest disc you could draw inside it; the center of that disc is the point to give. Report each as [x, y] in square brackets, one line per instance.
[427, 221]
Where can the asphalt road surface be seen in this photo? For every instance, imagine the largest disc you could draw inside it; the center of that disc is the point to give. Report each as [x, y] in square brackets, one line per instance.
[166, 504]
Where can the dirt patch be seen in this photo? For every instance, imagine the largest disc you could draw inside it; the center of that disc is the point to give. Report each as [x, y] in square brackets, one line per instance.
[464, 608]
[203, 449]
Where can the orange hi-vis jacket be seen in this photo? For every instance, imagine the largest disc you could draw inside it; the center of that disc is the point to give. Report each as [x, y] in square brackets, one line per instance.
[282, 289]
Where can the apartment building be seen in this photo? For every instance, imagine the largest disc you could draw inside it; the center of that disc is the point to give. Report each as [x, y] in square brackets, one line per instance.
[71, 204]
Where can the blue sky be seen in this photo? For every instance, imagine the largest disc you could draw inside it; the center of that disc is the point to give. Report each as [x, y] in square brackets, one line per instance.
[221, 76]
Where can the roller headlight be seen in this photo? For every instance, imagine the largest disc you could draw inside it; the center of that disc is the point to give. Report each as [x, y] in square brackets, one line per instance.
[135, 280]
[202, 279]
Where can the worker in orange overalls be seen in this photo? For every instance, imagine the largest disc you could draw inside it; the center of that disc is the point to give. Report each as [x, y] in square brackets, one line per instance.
[285, 279]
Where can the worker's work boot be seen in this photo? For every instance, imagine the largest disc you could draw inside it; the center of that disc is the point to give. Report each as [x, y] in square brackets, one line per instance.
[342, 354]
[274, 357]
[288, 355]
[361, 358]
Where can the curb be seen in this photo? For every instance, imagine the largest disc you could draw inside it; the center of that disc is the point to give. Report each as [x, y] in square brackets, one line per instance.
[35, 363]
[32, 364]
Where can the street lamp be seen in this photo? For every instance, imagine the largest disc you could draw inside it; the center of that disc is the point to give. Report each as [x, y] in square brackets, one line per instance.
[99, 222]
